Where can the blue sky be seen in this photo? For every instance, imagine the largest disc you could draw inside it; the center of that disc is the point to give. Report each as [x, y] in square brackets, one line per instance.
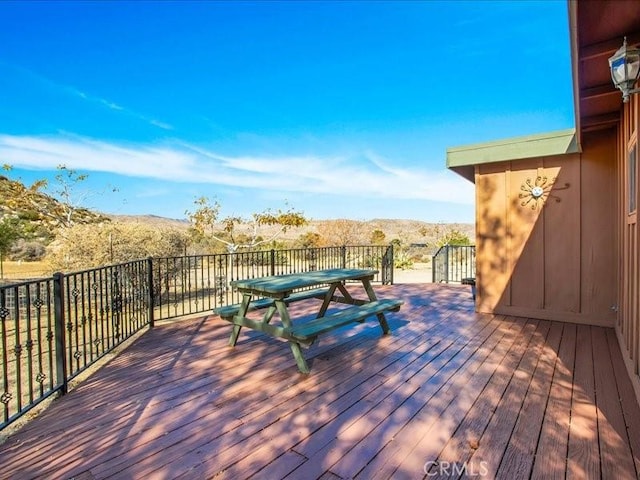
[341, 109]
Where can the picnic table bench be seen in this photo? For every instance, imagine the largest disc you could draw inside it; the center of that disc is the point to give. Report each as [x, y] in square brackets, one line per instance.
[278, 292]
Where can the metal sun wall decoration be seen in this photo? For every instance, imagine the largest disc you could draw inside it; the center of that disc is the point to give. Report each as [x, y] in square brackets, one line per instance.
[535, 193]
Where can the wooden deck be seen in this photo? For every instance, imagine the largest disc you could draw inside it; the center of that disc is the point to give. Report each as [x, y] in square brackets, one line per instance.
[450, 392]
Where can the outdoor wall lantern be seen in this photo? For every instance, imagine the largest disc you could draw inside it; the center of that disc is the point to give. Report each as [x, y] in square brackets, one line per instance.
[625, 67]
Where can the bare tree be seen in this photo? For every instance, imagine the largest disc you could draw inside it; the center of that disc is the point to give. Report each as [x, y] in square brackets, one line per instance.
[343, 232]
[68, 198]
[239, 233]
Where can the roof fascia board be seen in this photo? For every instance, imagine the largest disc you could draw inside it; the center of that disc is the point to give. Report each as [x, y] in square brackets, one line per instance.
[572, 5]
[543, 145]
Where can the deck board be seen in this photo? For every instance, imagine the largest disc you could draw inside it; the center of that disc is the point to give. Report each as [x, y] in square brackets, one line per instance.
[423, 424]
[472, 441]
[615, 451]
[584, 453]
[518, 457]
[457, 374]
[551, 453]
[504, 396]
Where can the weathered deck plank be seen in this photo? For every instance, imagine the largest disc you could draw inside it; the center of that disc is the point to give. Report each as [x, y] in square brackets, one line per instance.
[551, 453]
[508, 397]
[452, 378]
[615, 452]
[518, 457]
[474, 439]
[584, 454]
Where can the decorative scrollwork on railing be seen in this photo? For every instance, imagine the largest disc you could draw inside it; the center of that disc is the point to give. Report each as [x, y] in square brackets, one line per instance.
[535, 193]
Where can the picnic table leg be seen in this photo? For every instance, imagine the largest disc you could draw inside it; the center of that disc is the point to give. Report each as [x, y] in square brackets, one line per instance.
[300, 361]
[235, 331]
[295, 347]
[327, 300]
[268, 315]
[345, 293]
[372, 297]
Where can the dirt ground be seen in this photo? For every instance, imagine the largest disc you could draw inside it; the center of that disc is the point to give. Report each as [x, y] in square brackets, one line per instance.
[420, 273]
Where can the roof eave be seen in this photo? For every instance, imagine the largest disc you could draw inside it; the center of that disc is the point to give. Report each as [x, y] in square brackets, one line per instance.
[463, 160]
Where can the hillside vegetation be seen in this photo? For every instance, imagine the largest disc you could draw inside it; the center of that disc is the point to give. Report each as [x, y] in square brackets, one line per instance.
[406, 231]
[37, 214]
[70, 238]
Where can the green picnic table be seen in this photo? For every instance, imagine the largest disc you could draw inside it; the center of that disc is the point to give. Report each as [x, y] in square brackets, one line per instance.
[276, 293]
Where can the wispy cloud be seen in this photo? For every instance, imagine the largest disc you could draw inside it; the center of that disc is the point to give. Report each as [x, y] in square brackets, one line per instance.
[72, 91]
[365, 175]
[118, 108]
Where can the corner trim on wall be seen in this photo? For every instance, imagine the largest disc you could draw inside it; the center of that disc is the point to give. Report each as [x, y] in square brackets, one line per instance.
[628, 363]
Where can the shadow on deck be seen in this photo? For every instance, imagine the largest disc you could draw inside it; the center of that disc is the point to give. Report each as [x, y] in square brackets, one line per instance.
[449, 392]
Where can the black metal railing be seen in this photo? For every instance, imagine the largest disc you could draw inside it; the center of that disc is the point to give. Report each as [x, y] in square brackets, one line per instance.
[195, 284]
[53, 329]
[452, 263]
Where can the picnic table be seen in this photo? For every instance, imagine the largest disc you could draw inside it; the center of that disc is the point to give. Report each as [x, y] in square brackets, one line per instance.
[276, 293]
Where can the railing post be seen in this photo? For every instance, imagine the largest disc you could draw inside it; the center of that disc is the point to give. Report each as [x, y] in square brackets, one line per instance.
[390, 263]
[273, 261]
[151, 296]
[434, 267]
[343, 250]
[58, 312]
[446, 264]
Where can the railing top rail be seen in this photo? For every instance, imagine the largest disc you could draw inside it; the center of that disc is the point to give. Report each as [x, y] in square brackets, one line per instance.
[25, 283]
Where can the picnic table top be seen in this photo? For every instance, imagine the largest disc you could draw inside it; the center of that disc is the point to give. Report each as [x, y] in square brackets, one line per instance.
[279, 284]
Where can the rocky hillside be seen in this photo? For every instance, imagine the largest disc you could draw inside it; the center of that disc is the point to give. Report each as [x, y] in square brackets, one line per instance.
[38, 214]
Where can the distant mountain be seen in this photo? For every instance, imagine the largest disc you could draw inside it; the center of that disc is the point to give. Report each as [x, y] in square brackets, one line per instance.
[152, 220]
[41, 215]
[408, 231]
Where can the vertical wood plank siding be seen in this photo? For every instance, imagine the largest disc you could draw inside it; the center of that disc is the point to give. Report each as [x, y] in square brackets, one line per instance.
[556, 261]
[628, 322]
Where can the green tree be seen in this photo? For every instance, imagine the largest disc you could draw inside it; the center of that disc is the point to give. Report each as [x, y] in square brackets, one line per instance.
[453, 237]
[309, 240]
[378, 237]
[8, 235]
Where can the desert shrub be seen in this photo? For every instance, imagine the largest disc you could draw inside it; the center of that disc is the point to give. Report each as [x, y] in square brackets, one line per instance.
[29, 215]
[343, 232]
[402, 261]
[89, 246]
[308, 240]
[30, 251]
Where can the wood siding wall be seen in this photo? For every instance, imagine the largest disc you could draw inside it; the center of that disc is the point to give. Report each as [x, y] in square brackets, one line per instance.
[628, 322]
[557, 261]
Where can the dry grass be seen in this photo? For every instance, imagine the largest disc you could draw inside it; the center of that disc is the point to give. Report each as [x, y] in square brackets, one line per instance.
[19, 270]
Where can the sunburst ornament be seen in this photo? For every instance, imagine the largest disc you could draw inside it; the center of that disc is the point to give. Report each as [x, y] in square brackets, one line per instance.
[536, 193]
